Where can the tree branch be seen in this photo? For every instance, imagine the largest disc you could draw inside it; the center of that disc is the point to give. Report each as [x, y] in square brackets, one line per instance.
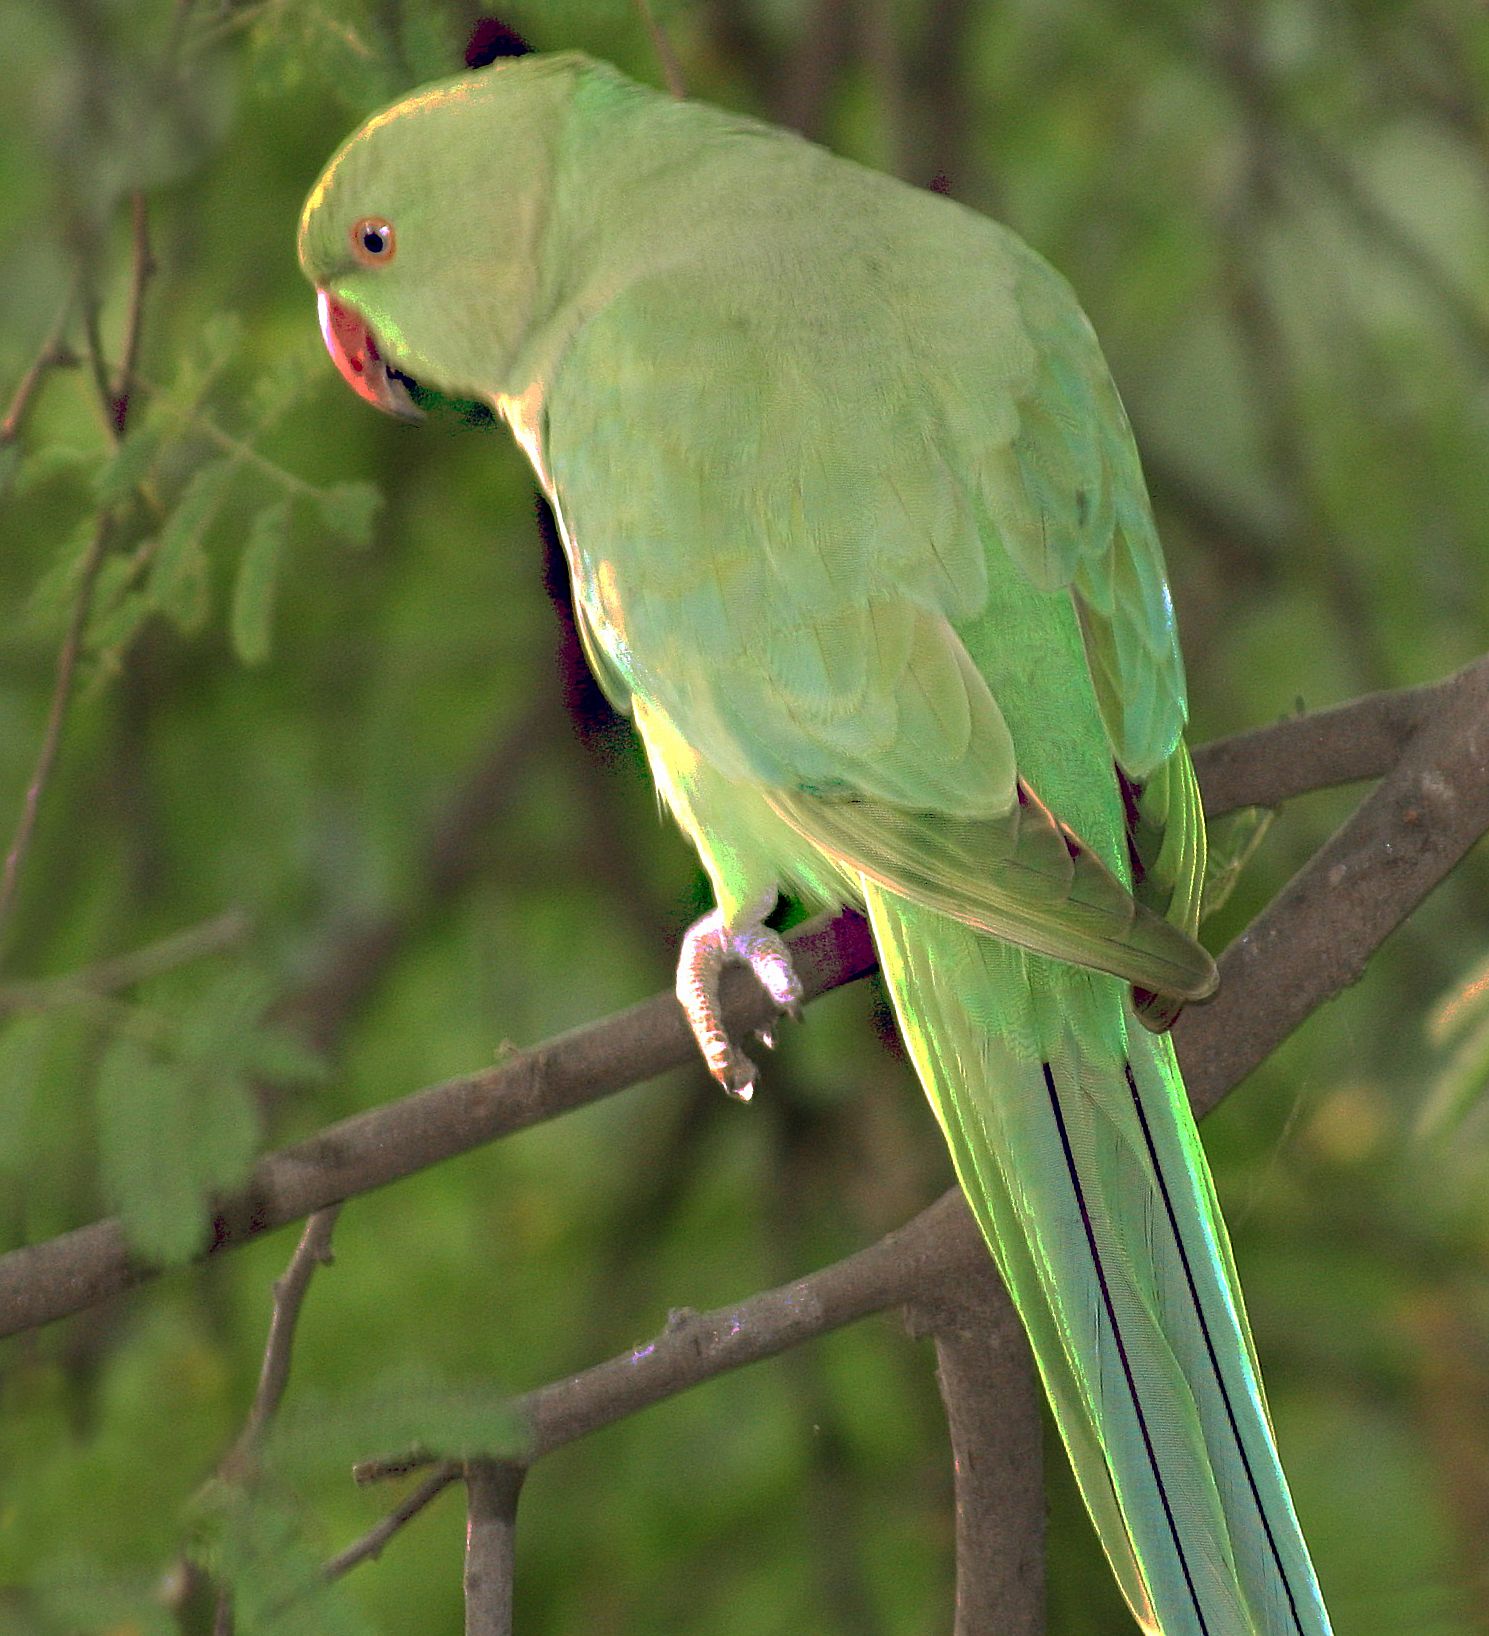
[991, 1393]
[940, 1244]
[492, 1489]
[1325, 748]
[1310, 943]
[1317, 935]
[1313, 940]
[62, 1275]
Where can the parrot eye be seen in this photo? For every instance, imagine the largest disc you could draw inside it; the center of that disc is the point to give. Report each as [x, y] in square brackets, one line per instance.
[372, 241]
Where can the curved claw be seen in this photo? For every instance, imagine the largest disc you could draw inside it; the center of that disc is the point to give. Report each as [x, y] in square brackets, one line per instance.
[707, 947]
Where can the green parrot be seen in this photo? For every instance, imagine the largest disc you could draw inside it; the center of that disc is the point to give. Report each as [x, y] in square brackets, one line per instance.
[859, 539]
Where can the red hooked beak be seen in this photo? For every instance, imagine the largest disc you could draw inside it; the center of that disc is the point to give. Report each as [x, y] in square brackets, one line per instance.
[354, 351]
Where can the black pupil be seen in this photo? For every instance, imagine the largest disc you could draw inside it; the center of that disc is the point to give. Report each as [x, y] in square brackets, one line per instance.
[374, 240]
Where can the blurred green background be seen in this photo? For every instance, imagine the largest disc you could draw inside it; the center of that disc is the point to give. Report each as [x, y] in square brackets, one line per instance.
[328, 690]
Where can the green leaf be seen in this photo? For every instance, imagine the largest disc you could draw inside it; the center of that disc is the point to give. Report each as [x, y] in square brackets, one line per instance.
[411, 1409]
[348, 509]
[211, 350]
[282, 1058]
[115, 615]
[284, 382]
[1459, 1084]
[178, 573]
[258, 576]
[130, 463]
[226, 1132]
[213, 1031]
[55, 592]
[217, 340]
[254, 1541]
[111, 631]
[144, 1133]
[51, 460]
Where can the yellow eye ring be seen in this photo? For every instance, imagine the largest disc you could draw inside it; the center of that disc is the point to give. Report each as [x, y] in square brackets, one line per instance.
[373, 243]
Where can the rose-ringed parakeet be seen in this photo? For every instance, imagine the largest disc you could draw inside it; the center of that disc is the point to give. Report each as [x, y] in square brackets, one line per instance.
[859, 539]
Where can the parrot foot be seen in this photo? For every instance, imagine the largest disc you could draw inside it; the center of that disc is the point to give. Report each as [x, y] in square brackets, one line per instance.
[707, 947]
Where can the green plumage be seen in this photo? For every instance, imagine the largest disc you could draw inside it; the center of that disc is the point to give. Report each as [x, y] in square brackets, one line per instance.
[858, 536]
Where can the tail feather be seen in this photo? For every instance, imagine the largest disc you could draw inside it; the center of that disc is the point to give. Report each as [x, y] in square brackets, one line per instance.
[1073, 1140]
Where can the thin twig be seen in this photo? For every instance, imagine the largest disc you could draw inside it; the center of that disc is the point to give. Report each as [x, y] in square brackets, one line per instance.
[126, 970]
[117, 414]
[93, 356]
[142, 268]
[203, 423]
[67, 660]
[671, 68]
[53, 353]
[492, 1491]
[1325, 928]
[290, 1289]
[239, 1464]
[370, 1545]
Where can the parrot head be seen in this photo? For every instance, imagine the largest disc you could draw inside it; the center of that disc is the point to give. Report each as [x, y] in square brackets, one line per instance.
[423, 236]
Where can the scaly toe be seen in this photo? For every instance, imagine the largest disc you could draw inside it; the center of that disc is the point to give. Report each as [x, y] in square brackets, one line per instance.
[706, 948]
[766, 954]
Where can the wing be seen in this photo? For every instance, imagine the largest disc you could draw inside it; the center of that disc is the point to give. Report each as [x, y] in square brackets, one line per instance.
[1025, 877]
[740, 566]
[886, 569]
[1067, 500]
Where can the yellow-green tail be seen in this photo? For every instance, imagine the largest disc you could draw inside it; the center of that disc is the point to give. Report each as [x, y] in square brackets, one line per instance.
[1072, 1138]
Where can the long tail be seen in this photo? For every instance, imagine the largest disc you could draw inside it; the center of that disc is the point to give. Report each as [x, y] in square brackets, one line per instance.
[1073, 1140]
